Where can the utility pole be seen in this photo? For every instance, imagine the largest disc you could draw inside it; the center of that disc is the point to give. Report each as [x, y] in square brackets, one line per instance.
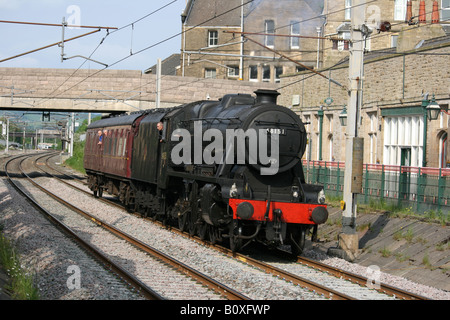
[348, 245]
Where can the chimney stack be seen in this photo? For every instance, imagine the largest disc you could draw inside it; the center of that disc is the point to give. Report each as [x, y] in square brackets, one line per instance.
[408, 12]
[422, 14]
[435, 14]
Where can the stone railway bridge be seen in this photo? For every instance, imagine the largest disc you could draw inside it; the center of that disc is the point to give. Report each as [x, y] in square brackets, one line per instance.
[106, 91]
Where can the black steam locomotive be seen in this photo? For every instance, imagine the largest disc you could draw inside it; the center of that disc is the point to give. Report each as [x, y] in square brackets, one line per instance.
[227, 170]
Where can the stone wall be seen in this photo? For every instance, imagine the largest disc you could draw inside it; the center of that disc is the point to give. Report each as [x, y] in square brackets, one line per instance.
[44, 87]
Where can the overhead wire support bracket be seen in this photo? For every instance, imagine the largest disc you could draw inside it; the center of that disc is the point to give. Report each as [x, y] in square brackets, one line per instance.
[64, 25]
[48, 46]
[61, 43]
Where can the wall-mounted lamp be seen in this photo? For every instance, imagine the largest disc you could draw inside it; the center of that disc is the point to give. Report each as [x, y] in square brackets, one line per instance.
[433, 109]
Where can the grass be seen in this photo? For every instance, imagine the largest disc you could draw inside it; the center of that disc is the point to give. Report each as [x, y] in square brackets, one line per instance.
[22, 284]
[394, 210]
[385, 252]
[76, 161]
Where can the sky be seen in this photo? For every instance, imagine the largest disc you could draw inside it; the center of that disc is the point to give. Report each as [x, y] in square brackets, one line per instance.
[164, 26]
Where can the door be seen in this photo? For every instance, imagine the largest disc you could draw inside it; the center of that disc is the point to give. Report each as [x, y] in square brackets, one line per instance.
[405, 174]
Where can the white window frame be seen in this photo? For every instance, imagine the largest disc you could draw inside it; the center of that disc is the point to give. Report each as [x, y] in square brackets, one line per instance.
[269, 41]
[295, 31]
[264, 70]
[233, 71]
[277, 74]
[403, 131]
[210, 73]
[399, 10]
[254, 67]
[213, 38]
[445, 10]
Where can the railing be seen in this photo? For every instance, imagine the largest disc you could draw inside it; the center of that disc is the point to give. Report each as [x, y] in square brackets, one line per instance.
[416, 187]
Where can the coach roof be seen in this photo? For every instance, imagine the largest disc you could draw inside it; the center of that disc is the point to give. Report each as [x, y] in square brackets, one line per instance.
[121, 120]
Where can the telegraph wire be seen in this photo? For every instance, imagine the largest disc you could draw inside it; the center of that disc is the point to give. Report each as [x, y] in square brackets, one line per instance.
[98, 46]
[145, 48]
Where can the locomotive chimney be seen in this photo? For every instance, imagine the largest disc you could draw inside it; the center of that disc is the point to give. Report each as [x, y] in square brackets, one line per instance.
[266, 96]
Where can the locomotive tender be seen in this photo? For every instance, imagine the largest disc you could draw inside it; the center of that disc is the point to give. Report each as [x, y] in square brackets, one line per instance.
[229, 170]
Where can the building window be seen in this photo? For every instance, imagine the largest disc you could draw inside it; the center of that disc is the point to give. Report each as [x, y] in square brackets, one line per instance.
[343, 44]
[253, 73]
[348, 10]
[210, 73]
[373, 137]
[233, 71]
[445, 12]
[278, 73]
[394, 39]
[213, 38]
[266, 74]
[400, 10]
[403, 132]
[295, 31]
[269, 27]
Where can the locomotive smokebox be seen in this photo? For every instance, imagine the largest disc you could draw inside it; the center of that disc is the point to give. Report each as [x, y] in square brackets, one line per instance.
[266, 96]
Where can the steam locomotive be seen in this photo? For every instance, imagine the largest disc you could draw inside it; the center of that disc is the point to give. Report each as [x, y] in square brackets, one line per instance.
[227, 170]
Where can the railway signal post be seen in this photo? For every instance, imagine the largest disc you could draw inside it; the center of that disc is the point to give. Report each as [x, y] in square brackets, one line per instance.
[348, 244]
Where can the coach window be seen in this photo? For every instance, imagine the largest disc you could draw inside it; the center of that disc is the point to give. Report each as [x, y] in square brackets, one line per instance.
[109, 142]
[119, 152]
[124, 146]
[113, 152]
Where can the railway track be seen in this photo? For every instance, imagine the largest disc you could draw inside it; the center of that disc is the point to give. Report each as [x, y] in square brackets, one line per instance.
[340, 285]
[152, 258]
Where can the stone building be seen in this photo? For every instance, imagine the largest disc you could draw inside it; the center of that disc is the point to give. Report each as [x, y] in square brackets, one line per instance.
[210, 49]
[396, 87]
[395, 12]
[405, 64]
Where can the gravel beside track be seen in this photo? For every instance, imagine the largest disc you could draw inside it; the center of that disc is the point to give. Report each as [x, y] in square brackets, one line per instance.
[248, 280]
[49, 254]
[50, 259]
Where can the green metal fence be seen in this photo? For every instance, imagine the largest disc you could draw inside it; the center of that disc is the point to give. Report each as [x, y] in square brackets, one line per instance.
[418, 188]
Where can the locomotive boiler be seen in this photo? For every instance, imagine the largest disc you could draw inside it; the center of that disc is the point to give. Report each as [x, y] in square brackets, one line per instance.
[228, 170]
